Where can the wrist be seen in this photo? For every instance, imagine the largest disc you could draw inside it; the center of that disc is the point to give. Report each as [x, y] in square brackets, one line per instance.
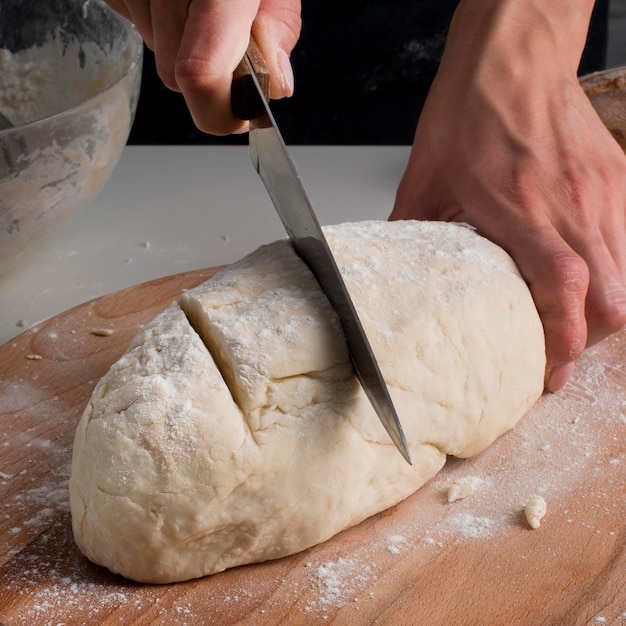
[517, 34]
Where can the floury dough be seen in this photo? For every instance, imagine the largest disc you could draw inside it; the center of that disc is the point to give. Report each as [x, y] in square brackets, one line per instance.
[189, 460]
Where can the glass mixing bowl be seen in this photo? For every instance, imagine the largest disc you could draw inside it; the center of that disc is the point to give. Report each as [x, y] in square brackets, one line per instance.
[70, 72]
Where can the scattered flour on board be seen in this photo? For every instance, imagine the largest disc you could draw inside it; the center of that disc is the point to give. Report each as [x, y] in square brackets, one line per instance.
[338, 580]
[549, 453]
[396, 544]
[470, 525]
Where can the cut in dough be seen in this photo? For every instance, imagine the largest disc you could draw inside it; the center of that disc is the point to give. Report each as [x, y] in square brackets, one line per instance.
[189, 460]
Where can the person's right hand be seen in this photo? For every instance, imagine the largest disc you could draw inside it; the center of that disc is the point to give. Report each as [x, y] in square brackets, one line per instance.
[199, 43]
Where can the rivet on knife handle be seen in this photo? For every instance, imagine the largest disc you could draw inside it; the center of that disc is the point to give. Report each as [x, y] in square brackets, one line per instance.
[245, 102]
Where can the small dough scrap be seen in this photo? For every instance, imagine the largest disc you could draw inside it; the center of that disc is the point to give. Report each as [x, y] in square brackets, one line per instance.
[234, 430]
[534, 511]
[463, 487]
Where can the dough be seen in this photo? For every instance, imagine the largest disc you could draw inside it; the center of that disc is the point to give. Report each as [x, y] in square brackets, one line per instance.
[233, 430]
[463, 487]
[535, 510]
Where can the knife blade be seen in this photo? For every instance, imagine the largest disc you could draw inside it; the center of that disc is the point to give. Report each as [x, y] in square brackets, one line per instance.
[278, 172]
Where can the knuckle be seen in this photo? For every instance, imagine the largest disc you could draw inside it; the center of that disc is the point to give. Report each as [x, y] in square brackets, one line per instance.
[568, 273]
[207, 93]
[195, 74]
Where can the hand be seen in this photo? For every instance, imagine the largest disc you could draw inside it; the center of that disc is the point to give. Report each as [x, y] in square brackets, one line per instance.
[199, 43]
[509, 143]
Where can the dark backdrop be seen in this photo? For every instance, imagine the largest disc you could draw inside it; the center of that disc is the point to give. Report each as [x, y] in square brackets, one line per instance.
[362, 72]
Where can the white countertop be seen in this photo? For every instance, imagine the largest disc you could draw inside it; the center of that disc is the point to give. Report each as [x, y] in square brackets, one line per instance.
[169, 209]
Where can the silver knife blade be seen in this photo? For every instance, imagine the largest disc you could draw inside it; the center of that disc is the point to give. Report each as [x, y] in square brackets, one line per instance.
[277, 170]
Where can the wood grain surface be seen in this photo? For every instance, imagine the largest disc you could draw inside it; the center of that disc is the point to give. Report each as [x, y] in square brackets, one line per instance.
[425, 561]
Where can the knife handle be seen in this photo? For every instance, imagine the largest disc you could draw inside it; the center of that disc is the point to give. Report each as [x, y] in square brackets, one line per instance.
[244, 98]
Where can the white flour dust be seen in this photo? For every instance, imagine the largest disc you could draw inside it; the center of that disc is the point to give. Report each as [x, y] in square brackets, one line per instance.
[337, 581]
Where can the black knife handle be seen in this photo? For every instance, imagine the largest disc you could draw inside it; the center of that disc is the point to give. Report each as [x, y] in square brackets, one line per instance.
[245, 102]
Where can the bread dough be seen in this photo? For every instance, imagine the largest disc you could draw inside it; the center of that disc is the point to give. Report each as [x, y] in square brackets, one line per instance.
[234, 431]
[535, 510]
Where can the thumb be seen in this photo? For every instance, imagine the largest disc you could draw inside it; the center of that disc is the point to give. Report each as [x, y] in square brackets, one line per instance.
[276, 29]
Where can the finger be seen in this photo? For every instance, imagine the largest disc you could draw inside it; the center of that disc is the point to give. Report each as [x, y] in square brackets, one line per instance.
[559, 375]
[605, 307]
[214, 41]
[598, 235]
[168, 24]
[606, 311]
[558, 279]
[276, 30]
[602, 240]
[138, 12]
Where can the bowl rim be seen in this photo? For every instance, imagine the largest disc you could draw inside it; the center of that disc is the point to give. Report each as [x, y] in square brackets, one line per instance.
[132, 66]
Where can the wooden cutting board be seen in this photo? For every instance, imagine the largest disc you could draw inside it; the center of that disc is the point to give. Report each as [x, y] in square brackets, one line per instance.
[425, 561]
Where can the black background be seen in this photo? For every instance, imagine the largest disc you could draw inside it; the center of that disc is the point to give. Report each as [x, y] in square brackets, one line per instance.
[362, 73]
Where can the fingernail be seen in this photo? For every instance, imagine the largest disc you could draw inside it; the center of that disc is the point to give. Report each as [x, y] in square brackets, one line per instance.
[559, 376]
[287, 72]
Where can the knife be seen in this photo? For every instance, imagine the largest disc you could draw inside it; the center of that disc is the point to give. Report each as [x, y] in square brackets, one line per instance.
[249, 97]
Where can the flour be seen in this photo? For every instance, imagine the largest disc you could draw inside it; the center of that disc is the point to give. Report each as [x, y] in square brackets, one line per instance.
[338, 580]
[472, 526]
[396, 544]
